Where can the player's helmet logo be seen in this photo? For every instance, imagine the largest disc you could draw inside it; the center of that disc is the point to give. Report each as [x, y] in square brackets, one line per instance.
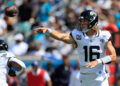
[91, 17]
[3, 45]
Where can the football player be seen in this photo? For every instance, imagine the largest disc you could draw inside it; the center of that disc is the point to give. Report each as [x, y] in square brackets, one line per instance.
[91, 44]
[9, 65]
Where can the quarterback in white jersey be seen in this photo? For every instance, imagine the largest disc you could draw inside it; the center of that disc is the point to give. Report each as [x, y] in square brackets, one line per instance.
[9, 65]
[90, 49]
[91, 44]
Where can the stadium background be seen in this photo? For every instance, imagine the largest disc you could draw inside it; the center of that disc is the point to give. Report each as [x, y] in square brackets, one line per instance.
[59, 14]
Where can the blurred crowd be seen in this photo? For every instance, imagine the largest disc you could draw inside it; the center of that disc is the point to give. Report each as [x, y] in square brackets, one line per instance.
[56, 14]
[61, 15]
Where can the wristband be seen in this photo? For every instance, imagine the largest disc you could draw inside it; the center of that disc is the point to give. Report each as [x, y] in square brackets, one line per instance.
[49, 31]
[106, 59]
[99, 61]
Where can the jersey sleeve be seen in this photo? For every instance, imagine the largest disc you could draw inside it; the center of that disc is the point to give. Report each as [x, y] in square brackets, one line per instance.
[73, 33]
[21, 63]
[107, 36]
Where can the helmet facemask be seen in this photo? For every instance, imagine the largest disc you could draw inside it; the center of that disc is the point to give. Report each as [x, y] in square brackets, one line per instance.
[89, 16]
[84, 24]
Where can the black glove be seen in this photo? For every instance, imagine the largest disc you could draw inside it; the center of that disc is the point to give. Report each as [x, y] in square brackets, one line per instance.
[11, 71]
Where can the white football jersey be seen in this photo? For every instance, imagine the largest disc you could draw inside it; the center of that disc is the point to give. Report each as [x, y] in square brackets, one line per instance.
[90, 48]
[4, 56]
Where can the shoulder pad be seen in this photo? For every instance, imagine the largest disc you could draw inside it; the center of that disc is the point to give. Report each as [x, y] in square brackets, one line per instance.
[76, 34]
[106, 35]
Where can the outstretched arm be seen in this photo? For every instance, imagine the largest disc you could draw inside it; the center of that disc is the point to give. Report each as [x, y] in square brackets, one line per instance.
[56, 34]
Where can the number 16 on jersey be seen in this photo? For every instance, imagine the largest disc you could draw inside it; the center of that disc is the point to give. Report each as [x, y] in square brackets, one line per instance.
[89, 53]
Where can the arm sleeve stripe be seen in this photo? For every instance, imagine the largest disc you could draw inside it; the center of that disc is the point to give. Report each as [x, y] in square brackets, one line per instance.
[110, 39]
[71, 35]
[73, 39]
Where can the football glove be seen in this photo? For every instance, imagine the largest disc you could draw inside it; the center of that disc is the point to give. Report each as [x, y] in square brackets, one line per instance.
[11, 72]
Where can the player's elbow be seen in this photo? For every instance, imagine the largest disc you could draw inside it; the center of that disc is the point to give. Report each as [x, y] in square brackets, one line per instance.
[114, 58]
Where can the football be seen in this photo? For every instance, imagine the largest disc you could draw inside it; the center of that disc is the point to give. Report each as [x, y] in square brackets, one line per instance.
[11, 11]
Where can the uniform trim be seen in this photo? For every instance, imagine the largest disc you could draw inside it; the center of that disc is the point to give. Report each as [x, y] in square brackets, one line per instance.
[97, 34]
[108, 62]
[8, 61]
[74, 40]
[110, 39]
